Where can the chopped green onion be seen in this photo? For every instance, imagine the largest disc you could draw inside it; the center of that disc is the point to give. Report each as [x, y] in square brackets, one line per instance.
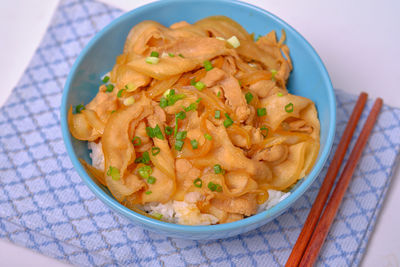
[148, 192]
[154, 54]
[279, 94]
[258, 37]
[145, 171]
[130, 87]
[171, 55]
[155, 151]
[219, 93]
[151, 180]
[289, 108]
[129, 101]
[181, 135]
[217, 114]
[234, 41]
[119, 94]
[137, 141]
[145, 157]
[261, 112]
[173, 98]
[192, 106]
[200, 85]
[219, 188]
[198, 100]
[218, 169]
[193, 81]
[214, 187]
[163, 102]
[152, 60]
[207, 65]
[168, 130]
[158, 133]
[113, 111]
[150, 132]
[139, 160]
[179, 145]
[79, 108]
[181, 55]
[106, 79]
[157, 215]
[114, 173]
[228, 121]
[198, 183]
[110, 88]
[240, 82]
[249, 96]
[169, 92]
[170, 98]
[207, 136]
[264, 131]
[273, 72]
[176, 126]
[181, 115]
[194, 143]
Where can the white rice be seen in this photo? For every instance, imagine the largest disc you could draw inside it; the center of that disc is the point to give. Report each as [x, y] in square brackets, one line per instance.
[182, 212]
[274, 198]
[96, 155]
[107, 74]
[166, 210]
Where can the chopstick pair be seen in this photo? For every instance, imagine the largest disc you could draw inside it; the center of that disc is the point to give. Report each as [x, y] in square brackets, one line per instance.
[312, 236]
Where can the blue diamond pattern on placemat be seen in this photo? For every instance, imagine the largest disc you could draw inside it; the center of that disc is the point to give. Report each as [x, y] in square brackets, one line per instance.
[45, 206]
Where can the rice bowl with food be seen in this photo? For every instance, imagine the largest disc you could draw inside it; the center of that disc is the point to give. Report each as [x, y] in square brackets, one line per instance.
[194, 124]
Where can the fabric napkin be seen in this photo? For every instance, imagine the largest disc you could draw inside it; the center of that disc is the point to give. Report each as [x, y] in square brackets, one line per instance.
[46, 207]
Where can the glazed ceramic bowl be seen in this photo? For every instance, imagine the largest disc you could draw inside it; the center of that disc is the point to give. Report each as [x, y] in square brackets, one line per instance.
[309, 78]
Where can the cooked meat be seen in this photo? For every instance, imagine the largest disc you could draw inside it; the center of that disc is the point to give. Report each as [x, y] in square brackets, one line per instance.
[235, 98]
[179, 24]
[274, 154]
[232, 217]
[246, 205]
[255, 134]
[213, 76]
[229, 65]
[103, 103]
[140, 132]
[300, 126]
[133, 182]
[262, 88]
[186, 172]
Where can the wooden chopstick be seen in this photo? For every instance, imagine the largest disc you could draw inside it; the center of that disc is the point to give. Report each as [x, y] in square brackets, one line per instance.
[319, 203]
[322, 229]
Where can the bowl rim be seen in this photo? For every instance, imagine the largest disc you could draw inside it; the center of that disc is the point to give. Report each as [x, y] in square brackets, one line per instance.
[189, 229]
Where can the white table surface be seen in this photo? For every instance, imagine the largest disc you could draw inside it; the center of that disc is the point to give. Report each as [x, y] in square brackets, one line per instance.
[357, 40]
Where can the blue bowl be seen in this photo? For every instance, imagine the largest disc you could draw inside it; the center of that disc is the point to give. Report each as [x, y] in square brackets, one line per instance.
[309, 78]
